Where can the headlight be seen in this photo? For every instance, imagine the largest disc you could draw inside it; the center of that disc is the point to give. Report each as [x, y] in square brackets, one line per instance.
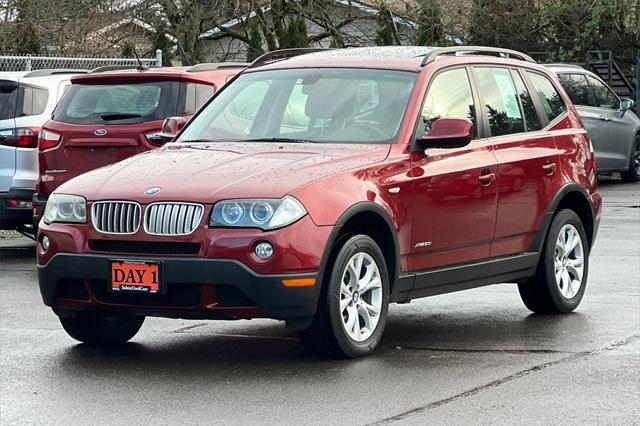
[65, 208]
[265, 214]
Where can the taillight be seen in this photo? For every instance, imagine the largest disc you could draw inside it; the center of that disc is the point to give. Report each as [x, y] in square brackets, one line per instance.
[22, 137]
[48, 140]
[19, 203]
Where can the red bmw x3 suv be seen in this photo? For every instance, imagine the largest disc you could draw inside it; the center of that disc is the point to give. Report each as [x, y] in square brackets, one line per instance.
[110, 114]
[320, 186]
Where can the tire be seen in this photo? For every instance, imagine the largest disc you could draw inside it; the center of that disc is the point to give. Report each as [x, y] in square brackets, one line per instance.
[545, 293]
[99, 328]
[633, 173]
[339, 328]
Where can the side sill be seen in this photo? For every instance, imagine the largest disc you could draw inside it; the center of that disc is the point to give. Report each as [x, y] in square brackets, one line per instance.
[472, 275]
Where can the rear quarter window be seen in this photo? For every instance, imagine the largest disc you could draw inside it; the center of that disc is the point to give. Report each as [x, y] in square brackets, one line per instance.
[552, 102]
[8, 99]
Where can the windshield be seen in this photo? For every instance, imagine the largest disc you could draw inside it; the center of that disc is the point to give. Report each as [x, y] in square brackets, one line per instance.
[122, 103]
[311, 105]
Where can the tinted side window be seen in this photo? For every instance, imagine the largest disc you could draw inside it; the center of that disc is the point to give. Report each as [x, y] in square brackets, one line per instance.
[40, 97]
[531, 117]
[605, 98]
[549, 97]
[195, 96]
[449, 96]
[500, 101]
[577, 88]
[8, 99]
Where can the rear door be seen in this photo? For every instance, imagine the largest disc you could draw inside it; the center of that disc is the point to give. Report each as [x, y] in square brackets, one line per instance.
[8, 102]
[526, 153]
[101, 124]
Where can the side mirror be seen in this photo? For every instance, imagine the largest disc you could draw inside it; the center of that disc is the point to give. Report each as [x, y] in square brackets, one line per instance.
[447, 133]
[171, 127]
[626, 104]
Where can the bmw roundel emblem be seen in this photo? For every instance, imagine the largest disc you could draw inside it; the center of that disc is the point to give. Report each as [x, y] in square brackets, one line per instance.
[100, 132]
[152, 191]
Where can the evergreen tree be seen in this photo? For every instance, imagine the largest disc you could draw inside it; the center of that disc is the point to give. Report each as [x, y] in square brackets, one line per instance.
[25, 34]
[384, 34]
[254, 47]
[161, 42]
[128, 50]
[430, 31]
[296, 35]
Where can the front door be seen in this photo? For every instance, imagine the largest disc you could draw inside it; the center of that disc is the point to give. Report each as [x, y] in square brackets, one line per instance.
[455, 190]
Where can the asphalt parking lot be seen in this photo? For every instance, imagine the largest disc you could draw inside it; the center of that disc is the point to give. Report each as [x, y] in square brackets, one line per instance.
[471, 357]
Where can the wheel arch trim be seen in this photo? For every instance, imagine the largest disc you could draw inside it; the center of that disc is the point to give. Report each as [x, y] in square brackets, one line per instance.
[562, 194]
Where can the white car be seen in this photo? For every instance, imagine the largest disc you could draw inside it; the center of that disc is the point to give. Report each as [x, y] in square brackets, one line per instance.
[27, 100]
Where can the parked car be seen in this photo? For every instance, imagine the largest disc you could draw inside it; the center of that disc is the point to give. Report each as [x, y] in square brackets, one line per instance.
[319, 188]
[613, 128]
[108, 116]
[26, 102]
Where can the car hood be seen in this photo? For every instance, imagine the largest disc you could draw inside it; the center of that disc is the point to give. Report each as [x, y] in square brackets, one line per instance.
[210, 172]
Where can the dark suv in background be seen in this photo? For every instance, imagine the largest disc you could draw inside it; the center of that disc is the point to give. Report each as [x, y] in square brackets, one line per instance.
[613, 128]
[107, 116]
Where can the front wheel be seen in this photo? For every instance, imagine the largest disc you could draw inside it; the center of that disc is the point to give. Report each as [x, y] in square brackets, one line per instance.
[633, 173]
[352, 311]
[100, 328]
[561, 276]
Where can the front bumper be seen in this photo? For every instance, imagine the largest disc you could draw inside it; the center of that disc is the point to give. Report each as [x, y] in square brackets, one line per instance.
[12, 217]
[195, 288]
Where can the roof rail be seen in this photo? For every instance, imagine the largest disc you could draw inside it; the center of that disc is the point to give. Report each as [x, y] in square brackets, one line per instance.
[119, 67]
[277, 55]
[48, 72]
[559, 64]
[483, 50]
[211, 66]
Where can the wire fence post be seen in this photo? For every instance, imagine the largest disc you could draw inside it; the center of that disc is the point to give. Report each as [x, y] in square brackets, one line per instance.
[159, 57]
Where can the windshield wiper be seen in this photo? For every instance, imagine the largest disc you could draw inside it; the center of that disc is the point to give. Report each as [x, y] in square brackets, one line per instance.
[284, 140]
[187, 141]
[118, 116]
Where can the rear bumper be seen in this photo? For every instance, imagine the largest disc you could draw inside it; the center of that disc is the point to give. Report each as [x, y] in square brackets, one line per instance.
[12, 217]
[195, 288]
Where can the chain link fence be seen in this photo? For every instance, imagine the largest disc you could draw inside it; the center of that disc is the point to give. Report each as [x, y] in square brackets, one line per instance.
[31, 63]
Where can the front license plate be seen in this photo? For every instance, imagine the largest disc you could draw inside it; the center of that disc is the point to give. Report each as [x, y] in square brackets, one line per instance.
[135, 276]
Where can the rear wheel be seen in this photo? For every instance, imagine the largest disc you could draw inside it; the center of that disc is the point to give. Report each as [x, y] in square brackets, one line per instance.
[561, 276]
[633, 173]
[100, 328]
[352, 311]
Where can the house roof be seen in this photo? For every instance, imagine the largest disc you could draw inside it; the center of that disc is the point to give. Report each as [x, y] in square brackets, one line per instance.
[366, 8]
[125, 21]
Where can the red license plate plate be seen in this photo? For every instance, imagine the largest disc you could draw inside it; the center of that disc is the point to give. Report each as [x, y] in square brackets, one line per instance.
[135, 276]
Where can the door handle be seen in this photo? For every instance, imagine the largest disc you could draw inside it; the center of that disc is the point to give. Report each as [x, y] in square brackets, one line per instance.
[487, 178]
[549, 168]
[603, 118]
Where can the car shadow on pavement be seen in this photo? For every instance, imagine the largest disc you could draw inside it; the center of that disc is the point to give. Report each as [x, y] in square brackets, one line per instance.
[217, 356]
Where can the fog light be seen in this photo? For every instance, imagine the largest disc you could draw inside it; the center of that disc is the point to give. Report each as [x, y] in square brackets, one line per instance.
[264, 250]
[45, 243]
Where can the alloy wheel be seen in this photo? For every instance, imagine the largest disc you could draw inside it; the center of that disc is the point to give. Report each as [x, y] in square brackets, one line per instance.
[569, 261]
[360, 296]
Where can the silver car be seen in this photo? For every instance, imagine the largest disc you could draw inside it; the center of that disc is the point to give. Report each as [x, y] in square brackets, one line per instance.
[613, 128]
[26, 102]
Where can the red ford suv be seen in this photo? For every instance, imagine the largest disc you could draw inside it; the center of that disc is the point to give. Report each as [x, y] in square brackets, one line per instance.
[109, 115]
[320, 186]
